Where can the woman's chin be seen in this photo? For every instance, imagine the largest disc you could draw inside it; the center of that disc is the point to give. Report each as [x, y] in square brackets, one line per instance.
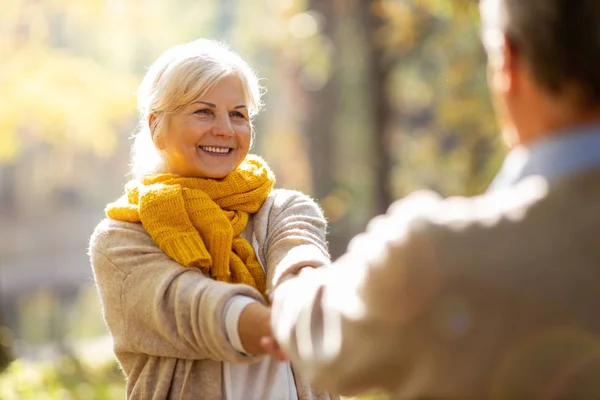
[214, 174]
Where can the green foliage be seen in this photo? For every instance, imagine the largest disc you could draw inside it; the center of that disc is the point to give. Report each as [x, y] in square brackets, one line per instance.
[445, 134]
[67, 378]
[70, 379]
[71, 68]
[5, 352]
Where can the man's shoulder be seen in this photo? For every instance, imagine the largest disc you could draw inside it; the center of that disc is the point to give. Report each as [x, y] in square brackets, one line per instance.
[533, 201]
[428, 211]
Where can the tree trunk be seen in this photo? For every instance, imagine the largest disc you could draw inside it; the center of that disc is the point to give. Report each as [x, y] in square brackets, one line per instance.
[323, 110]
[378, 72]
[5, 351]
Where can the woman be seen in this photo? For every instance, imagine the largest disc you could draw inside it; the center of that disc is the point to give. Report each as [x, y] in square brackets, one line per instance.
[188, 254]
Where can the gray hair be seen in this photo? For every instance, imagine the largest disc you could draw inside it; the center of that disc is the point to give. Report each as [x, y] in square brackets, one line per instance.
[558, 39]
[179, 76]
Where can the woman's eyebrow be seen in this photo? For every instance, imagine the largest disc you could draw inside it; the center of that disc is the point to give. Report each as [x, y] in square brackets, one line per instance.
[207, 103]
[215, 106]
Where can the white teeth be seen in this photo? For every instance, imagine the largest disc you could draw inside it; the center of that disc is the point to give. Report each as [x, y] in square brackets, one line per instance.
[220, 150]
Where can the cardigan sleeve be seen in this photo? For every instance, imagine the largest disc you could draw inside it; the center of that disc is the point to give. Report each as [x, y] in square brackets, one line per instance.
[155, 306]
[293, 236]
[233, 310]
[290, 231]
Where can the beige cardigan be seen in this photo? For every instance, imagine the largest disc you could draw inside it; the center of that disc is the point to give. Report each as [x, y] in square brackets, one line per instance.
[167, 320]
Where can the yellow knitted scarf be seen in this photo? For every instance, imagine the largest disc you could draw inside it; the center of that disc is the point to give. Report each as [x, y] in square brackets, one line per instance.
[198, 222]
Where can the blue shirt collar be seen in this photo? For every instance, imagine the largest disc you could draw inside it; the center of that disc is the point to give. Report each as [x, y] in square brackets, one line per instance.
[556, 157]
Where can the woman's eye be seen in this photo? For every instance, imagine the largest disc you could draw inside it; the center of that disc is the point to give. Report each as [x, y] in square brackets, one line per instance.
[237, 114]
[203, 111]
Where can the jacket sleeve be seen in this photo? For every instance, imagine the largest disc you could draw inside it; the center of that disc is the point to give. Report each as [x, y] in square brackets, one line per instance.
[354, 326]
[153, 305]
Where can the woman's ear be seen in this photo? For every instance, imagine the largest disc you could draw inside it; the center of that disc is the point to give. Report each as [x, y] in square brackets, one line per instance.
[156, 136]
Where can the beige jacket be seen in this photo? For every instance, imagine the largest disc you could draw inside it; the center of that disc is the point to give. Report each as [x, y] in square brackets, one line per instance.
[496, 296]
[167, 320]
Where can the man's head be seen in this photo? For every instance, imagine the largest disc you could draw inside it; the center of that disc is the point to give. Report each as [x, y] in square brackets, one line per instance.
[544, 64]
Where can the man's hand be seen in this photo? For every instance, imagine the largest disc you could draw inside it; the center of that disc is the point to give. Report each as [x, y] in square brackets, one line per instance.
[268, 343]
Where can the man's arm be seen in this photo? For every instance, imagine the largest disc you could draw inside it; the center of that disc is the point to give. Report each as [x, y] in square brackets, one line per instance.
[353, 326]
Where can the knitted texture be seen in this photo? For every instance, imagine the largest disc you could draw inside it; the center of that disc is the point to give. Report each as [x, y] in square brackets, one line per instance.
[198, 222]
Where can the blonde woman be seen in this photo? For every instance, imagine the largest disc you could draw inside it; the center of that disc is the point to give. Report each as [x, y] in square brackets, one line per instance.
[186, 257]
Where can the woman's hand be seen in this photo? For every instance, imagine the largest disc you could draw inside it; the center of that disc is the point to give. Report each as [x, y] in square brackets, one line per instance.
[253, 325]
[254, 328]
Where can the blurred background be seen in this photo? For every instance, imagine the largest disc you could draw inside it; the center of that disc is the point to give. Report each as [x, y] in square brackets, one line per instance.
[367, 101]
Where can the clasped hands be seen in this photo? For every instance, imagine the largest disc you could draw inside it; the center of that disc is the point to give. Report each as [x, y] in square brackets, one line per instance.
[254, 325]
[255, 332]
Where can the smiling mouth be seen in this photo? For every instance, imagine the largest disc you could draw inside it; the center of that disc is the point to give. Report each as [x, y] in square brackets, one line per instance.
[216, 150]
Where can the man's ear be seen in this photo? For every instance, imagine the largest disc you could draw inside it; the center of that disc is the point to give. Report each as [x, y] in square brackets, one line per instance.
[156, 136]
[503, 67]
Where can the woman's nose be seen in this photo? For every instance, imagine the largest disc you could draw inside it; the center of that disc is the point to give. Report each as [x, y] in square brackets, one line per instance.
[223, 127]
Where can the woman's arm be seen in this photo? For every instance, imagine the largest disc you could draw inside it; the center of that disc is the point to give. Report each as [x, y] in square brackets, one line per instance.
[293, 237]
[290, 231]
[155, 306]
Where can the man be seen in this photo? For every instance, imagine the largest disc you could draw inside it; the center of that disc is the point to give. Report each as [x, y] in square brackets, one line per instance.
[495, 296]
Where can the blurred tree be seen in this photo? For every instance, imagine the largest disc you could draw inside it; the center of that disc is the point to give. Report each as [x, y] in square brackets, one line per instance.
[5, 346]
[368, 99]
[445, 133]
[4, 358]
[372, 18]
[433, 125]
[56, 97]
[323, 100]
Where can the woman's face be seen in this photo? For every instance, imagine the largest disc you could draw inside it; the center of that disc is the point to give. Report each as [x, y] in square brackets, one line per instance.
[210, 137]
